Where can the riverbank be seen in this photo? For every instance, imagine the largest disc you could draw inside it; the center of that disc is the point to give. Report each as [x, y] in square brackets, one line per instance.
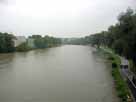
[24, 47]
[123, 91]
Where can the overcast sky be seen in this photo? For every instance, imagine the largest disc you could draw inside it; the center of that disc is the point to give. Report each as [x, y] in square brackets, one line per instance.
[60, 18]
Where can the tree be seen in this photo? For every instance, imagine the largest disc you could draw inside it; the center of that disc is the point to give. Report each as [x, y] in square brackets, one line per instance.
[22, 47]
[46, 41]
[6, 43]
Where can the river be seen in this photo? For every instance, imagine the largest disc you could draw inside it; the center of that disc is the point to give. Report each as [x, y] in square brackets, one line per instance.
[69, 73]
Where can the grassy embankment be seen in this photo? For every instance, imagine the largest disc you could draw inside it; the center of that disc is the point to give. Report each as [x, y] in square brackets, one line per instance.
[123, 91]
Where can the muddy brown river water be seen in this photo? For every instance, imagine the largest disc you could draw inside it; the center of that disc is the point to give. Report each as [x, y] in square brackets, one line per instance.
[69, 73]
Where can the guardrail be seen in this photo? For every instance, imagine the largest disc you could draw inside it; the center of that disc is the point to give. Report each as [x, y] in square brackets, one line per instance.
[130, 76]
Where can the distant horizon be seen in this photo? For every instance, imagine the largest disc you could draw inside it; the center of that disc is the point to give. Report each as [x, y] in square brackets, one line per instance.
[48, 35]
[45, 35]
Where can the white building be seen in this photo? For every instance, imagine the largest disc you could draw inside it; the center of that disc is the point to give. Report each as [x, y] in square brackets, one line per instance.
[19, 40]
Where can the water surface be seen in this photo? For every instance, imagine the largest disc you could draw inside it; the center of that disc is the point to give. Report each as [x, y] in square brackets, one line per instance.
[60, 74]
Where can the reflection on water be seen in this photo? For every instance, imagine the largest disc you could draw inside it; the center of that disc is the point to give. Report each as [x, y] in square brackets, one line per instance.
[61, 74]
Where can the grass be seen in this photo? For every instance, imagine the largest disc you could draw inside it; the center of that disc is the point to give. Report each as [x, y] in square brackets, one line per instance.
[121, 86]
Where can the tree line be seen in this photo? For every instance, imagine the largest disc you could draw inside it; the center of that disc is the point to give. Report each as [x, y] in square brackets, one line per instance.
[120, 37]
[7, 43]
[45, 42]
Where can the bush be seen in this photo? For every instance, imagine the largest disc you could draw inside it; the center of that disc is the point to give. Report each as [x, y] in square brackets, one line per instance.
[111, 58]
[120, 84]
[114, 65]
[23, 47]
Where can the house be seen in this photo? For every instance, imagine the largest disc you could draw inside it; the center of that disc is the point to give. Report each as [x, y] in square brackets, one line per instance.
[19, 40]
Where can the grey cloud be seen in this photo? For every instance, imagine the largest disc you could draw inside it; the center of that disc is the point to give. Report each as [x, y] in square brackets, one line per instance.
[97, 16]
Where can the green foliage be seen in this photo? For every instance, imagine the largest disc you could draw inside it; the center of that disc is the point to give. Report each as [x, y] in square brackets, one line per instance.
[121, 86]
[46, 41]
[122, 89]
[73, 41]
[114, 65]
[121, 37]
[6, 43]
[119, 46]
[23, 47]
[111, 58]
